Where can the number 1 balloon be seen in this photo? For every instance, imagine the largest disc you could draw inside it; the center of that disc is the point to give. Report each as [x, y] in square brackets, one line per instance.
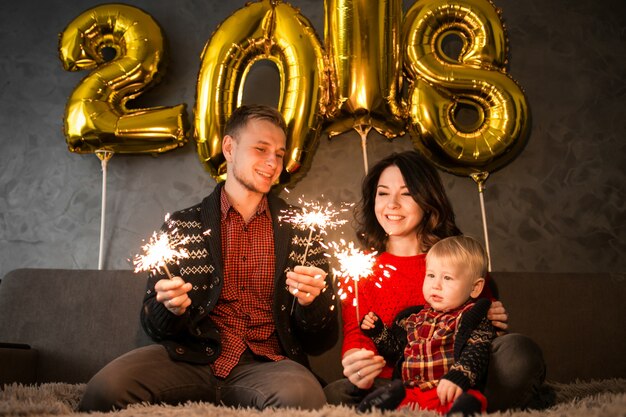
[362, 40]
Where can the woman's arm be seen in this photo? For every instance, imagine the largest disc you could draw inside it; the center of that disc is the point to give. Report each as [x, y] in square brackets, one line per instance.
[362, 366]
[499, 317]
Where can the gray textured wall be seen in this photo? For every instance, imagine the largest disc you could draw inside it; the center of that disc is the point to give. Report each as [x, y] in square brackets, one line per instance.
[558, 207]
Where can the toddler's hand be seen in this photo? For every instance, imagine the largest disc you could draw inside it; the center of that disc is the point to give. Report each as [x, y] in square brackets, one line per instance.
[448, 391]
[369, 321]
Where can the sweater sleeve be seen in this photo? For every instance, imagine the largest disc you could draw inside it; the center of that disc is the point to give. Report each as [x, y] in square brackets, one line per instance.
[353, 337]
[390, 342]
[158, 322]
[472, 350]
[321, 313]
[316, 324]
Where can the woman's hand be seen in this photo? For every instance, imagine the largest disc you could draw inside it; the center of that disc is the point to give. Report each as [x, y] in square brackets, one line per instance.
[362, 366]
[498, 316]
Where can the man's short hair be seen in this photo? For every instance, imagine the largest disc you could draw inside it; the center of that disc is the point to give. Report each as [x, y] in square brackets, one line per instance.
[240, 117]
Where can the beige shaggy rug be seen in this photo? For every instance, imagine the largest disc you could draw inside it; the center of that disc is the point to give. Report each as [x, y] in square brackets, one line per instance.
[603, 398]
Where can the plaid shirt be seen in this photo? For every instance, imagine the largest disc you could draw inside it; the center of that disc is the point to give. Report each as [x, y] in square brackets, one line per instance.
[429, 354]
[243, 313]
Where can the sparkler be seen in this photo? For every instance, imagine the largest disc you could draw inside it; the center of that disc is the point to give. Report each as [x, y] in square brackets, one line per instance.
[161, 249]
[314, 217]
[354, 264]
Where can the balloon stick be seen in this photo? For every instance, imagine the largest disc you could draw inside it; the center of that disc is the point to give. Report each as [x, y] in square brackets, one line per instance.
[104, 157]
[363, 130]
[480, 178]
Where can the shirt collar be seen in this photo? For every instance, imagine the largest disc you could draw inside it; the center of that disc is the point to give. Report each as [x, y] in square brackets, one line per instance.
[226, 206]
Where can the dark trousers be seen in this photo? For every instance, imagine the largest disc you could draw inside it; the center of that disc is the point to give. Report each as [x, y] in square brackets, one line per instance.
[149, 375]
[516, 372]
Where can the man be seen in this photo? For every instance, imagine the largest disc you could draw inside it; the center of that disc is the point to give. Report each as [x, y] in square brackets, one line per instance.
[224, 323]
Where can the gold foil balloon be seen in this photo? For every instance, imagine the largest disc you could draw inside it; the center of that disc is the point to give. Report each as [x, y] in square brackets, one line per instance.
[96, 116]
[362, 42]
[442, 86]
[264, 30]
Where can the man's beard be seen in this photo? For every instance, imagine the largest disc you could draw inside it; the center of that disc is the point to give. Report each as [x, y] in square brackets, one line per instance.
[248, 185]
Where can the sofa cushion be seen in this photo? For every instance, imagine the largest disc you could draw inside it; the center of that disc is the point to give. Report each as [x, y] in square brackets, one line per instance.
[77, 320]
[576, 318]
[18, 363]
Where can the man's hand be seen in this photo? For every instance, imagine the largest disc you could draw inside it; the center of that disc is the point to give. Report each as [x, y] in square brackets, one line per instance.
[306, 283]
[172, 293]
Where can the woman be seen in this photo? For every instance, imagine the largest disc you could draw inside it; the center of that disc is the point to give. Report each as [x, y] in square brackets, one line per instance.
[404, 210]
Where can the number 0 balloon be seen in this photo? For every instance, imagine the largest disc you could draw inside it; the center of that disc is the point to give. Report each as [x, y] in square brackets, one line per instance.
[264, 30]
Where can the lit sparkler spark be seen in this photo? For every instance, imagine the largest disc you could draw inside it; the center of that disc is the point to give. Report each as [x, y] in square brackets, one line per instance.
[354, 265]
[314, 217]
[161, 249]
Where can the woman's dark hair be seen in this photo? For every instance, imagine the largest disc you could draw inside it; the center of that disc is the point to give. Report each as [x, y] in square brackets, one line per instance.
[240, 117]
[426, 188]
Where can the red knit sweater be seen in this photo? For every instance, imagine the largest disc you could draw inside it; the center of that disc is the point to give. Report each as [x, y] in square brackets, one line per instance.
[402, 289]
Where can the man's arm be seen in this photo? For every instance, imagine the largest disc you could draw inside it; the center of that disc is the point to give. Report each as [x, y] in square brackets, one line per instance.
[158, 321]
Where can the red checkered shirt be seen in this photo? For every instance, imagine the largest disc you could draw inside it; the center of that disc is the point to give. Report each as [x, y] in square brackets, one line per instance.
[429, 353]
[243, 313]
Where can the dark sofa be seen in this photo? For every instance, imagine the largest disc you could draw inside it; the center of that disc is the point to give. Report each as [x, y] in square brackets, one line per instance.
[64, 325]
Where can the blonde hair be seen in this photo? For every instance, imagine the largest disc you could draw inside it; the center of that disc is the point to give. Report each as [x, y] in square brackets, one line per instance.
[462, 250]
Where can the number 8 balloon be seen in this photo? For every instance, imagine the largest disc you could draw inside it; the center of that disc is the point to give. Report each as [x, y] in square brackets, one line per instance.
[441, 85]
[96, 117]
